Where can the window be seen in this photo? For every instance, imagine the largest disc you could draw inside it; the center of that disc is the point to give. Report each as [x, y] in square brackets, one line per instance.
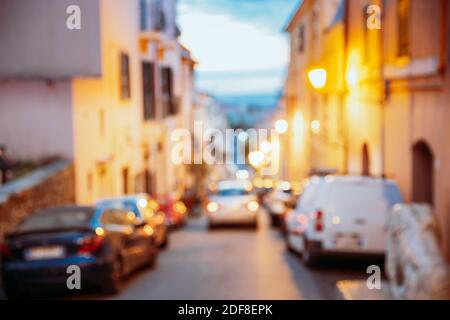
[115, 217]
[125, 91]
[159, 17]
[149, 180]
[125, 182]
[315, 23]
[148, 82]
[301, 38]
[58, 218]
[168, 103]
[403, 27]
[143, 14]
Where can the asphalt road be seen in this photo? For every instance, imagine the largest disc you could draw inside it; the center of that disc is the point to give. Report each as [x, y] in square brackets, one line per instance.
[233, 264]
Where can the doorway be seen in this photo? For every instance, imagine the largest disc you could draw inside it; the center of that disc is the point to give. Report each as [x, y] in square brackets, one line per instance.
[423, 176]
[365, 165]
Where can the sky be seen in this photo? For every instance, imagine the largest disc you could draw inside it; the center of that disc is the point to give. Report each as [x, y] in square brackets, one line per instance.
[239, 44]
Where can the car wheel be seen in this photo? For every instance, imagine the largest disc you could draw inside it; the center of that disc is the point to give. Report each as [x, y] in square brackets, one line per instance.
[151, 263]
[310, 255]
[275, 223]
[113, 284]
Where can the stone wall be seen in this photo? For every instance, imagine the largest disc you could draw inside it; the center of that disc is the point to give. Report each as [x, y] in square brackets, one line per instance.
[45, 187]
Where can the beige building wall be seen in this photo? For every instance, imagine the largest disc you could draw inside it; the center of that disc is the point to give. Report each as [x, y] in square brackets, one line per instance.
[107, 127]
[417, 105]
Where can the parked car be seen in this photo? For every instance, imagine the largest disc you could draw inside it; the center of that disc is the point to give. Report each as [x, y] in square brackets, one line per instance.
[146, 210]
[341, 216]
[174, 209]
[234, 202]
[105, 242]
[278, 202]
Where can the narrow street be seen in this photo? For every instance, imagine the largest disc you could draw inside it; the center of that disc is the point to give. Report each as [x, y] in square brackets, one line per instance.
[232, 264]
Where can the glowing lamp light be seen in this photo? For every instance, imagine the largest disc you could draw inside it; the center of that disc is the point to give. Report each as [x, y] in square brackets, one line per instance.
[212, 207]
[253, 206]
[266, 147]
[315, 126]
[317, 78]
[256, 158]
[281, 126]
[142, 203]
[352, 78]
[99, 231]
[242, 174]
[148, 230]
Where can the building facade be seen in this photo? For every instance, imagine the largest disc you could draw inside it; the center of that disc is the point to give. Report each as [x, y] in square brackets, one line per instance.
[382, 109]
[105, 95]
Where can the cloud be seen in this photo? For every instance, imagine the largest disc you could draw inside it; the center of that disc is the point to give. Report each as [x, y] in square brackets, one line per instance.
[233, 38]
[271, 15]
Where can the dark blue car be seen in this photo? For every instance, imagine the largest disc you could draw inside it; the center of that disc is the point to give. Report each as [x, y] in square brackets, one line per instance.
[104, 242]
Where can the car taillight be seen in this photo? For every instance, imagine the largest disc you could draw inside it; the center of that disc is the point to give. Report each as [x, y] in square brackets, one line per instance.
[5, 250]
[90, 244]
[319, 221]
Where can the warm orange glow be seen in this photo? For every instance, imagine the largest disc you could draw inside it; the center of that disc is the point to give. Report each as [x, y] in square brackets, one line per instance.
[212, 207]
[317, 78]
[258, 182]
[153, 205]
[148, 230]
[160, 218]
[180, 207]
[352, 77]
[253, 206]
[99, 231]
[315, 126]
[131, 215]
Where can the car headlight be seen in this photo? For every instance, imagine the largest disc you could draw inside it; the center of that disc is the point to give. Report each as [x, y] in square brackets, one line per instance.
[212, 207]
[253, 206]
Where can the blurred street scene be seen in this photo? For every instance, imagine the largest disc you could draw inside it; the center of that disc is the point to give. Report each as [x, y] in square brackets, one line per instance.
[163, 149]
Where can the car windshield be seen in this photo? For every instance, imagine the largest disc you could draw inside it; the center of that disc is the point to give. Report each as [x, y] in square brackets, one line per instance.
[232, 192]
[58, 219]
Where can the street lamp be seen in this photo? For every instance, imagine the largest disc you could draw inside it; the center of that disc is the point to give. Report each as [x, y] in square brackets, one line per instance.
[317, 78]
[281, 126]
[315, 126]
[352, 77]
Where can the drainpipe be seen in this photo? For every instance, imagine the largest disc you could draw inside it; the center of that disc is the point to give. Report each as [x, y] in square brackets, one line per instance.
[346, 133]
[384, 97]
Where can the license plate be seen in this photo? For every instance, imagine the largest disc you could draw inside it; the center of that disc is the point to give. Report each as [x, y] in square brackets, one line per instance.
[42, 253]
[348, 242]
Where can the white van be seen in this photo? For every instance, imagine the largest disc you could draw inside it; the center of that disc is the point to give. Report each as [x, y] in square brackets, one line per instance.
[341, 216]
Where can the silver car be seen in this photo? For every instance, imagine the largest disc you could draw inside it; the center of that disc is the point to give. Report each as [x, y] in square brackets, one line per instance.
[233, 203]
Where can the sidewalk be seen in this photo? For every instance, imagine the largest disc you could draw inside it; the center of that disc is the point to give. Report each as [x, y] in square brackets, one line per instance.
[357, 290]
